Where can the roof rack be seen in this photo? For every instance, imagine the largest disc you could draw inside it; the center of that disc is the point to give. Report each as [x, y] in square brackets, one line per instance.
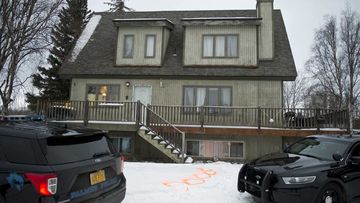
[22, 118]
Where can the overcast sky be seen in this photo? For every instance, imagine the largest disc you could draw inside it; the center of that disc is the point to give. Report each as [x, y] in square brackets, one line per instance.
[302, 17]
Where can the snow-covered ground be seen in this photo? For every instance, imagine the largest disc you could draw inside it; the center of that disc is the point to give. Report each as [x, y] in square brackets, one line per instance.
[193, 183]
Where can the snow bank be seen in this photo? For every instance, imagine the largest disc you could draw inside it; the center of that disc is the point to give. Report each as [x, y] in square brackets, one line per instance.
[85, 36]
[186, 183]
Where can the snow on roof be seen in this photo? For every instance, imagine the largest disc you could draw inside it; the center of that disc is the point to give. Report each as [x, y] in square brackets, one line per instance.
[221, 18]
[85, 36]
[141, 19]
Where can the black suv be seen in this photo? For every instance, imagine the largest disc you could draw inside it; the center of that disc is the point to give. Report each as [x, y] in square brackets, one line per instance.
[321, 169]
[40, 162]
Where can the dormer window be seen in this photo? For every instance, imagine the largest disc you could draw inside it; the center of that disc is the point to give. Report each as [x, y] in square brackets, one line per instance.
[142, 42]
[220, 46]
[128, 46]
[150, 41]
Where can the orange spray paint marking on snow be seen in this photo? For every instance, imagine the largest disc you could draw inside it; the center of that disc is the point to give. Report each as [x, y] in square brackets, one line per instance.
[198, 178]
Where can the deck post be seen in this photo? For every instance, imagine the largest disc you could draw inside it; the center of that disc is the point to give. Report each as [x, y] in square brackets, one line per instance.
[348, 126]
[259, 117]
[183, 147]
[335, 115]
[148, 115]
[317, 117]
[202, 116]
[138, 113]
[86, 113]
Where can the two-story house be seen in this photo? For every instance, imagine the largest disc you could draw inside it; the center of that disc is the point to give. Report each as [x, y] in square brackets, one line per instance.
[181, 61]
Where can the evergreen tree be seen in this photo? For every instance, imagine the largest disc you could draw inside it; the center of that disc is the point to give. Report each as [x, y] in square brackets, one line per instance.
[73, 18]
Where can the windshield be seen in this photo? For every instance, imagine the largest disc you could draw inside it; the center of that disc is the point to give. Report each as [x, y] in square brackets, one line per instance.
[318, 148]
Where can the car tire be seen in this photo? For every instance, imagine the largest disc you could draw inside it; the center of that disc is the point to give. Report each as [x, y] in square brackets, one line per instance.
[331, 193]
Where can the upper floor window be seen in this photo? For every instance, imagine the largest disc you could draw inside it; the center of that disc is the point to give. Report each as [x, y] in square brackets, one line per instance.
[150, 41]
[103, 92]
[220, 46]
[128, 46]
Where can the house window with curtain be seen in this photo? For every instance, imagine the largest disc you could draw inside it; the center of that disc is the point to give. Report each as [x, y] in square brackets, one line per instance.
[104, 93]
[128, 51]
[220, 46]
[215, 148]
[206, 96]
[150, 41]
[122, 144]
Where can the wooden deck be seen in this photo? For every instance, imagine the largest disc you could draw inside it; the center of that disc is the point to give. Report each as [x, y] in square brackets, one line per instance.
[215, 120]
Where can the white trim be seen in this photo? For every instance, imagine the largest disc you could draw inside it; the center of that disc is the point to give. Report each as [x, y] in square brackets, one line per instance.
[221, 18]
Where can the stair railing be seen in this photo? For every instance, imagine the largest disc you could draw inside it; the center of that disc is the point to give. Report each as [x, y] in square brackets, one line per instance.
[174, 137]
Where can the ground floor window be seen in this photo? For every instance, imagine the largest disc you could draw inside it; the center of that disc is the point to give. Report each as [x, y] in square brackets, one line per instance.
[122, 144]
[213, 148]
[192, 148]
[103, 93]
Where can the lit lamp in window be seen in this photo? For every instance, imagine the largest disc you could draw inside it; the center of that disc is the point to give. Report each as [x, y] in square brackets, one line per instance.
[103, 96]
[127, 84]
[103, 92]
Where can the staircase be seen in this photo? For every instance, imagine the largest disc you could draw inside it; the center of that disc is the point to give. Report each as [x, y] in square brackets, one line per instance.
[161, 134]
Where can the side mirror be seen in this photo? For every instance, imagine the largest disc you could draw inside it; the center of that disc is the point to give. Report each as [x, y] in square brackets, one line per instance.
[337, 157]
[355, 160]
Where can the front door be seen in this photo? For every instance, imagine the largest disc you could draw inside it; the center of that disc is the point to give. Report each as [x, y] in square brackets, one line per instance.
[142, 94]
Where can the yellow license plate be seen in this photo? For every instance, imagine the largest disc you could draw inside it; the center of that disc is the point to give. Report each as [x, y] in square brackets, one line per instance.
[97, 177]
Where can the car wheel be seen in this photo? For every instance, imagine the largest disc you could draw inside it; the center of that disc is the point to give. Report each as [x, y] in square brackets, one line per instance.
[331, 193]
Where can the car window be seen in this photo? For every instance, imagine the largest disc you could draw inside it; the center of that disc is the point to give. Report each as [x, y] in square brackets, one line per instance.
[22, 151]
[318, 147]
[67, 149]
[356, 151]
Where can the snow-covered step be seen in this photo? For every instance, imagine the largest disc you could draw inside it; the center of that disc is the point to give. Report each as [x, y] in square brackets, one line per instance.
[176, 151]
[144, 128]
[163, 142]
[189, 160]
[181, 156]
[170, 146]
[157, 138]
[151, 133]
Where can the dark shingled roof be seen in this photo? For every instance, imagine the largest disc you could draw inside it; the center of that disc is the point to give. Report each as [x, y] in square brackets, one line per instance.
[98, 56]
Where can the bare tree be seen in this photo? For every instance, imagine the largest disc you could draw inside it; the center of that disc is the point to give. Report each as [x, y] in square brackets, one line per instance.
[294, 92]
[24, 29]
[316, 97]
[118, 5]
[350, 41]
[326, 64]
[336, 61]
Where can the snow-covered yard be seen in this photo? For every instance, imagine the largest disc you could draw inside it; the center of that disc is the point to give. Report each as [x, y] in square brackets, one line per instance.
[212, 182]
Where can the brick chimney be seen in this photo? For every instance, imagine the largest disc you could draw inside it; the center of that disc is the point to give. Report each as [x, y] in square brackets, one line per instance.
[265, 10]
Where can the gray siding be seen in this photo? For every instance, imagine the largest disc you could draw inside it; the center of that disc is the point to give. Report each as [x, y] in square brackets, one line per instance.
[139, 46]
[247, 45]
[170, 92]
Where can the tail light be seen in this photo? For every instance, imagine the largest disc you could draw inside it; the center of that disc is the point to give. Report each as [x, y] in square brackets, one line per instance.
[120, 164]
[45, 184]
[122, 160]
